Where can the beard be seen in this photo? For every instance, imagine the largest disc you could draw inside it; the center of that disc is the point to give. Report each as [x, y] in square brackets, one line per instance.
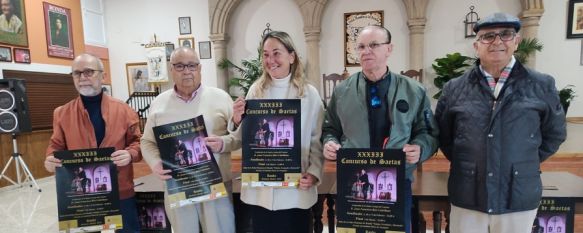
[88, 91]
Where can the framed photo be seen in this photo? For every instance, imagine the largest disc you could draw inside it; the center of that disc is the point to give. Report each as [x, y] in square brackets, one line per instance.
[169, 49]
[184, 25]
[137, 74]
[21, 55]
[14, 33]
[575, 19]
[204, 49]
[5, 54]
[106, 88]
[186, 42]
[353, 23]
[59, 31]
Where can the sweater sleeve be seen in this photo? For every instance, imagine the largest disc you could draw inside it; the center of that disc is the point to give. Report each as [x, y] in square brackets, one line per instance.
[231, 140]
[316, 157]
[148, 143]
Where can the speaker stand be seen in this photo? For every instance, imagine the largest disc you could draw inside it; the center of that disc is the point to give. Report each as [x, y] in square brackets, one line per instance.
[19, 164]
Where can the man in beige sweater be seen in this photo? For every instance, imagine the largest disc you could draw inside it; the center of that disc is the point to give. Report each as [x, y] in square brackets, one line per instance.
[188, 99]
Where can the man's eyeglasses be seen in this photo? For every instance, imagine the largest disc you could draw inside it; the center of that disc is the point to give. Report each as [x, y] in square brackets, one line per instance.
[180, 66]
[371, 46]
[375, 100]
[85, 72]
[490, 37]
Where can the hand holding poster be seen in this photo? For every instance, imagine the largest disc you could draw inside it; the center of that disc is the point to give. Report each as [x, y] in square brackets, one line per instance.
[87, 191]
[370, 194]
[195, 174]
[271, 143]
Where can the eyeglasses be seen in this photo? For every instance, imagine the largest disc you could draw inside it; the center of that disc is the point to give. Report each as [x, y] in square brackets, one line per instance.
[490, 37]
[375, 100]
[180, 66]
[371, 46]
[85, 72]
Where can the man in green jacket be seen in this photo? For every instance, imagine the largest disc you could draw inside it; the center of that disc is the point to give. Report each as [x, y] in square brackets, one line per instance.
[376, 108]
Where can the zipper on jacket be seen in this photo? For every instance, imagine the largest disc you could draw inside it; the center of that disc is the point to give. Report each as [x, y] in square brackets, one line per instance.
[494, 105]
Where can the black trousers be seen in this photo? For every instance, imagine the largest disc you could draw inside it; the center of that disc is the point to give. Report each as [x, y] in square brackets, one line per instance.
[281, 221]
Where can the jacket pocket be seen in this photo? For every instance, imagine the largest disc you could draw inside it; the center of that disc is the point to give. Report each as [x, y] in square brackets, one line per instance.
[526, 187]
[463, 184]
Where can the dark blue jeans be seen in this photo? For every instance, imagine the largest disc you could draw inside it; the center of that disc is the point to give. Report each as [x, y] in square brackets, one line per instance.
[408, 205]
[129, 213]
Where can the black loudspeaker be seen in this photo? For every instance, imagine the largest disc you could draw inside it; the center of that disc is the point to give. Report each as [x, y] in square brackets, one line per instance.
[14, 115]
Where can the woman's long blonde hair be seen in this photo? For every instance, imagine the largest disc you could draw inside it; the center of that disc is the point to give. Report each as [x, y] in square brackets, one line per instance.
[297, 68]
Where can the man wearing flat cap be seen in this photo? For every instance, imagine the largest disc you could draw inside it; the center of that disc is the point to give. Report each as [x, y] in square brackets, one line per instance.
[497, 123]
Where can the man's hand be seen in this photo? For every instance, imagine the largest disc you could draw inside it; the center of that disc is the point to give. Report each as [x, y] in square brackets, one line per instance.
[215, 143]
[160, 172]
[51, 163]
[412, 153]
[121, 158]
[238, 110]
[307, 181]
[330, 149]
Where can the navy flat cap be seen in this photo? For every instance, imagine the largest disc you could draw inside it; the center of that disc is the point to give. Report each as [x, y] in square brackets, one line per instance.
[498, 19]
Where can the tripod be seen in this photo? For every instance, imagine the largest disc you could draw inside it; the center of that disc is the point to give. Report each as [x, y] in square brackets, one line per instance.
[17, 159]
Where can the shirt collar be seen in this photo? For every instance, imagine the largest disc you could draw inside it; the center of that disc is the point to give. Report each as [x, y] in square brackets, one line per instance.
[187, 99]
[510, 65]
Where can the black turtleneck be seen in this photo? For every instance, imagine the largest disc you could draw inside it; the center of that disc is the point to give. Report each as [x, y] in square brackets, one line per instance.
[93, 106]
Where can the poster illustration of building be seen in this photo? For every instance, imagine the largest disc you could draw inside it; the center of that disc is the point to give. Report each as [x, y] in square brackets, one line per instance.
[271, 143]
[195, 174]
[87, 191]
[555, 215]
[369, 188]
[151, 212]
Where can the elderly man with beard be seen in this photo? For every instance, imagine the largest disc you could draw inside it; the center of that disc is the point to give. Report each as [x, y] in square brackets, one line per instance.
[95, 120]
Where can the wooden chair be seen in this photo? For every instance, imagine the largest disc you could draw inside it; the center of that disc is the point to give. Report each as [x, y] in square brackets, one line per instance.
[329, 83]
[414, 74]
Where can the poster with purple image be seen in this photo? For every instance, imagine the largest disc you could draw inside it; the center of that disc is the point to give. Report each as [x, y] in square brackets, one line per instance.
[151, 212]
[555, 215]
[87, 190]
[271, 143]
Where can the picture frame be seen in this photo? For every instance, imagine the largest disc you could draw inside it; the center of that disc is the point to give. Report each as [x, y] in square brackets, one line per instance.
[59, 32]
[575, 19]
[186, 42]
[21, 55]
[17, 34]
[581, 53]
[353, 23]
[137, 75]
[169, 50]
[204, 49]
[106, 88]
[5, 54]
[184, 25]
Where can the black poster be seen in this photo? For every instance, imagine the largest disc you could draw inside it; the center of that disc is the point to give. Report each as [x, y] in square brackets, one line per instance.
[151, 212]
[195, 174]
[555, 215]
[87, 191]
[271, 143]
[370, 194]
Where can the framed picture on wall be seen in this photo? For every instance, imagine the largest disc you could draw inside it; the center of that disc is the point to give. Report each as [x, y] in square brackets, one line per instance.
[186, 42]
[582, 52]
[575, 19]
[353, 23]
[169, 49]
[137, 75]
[184, 25]
[204, 49]
[15, 32]
[59, 31]
[21, 55]
[106, 88]
[5, 54]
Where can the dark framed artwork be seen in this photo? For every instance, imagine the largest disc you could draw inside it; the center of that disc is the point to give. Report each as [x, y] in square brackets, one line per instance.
[13, 29]
[204, 49]
[137, 75]
[184, 25]
[5, 54]
[59, 31]
[186, 42]
[169, 49]
[353, 23]
[575, 19]
[21, 55]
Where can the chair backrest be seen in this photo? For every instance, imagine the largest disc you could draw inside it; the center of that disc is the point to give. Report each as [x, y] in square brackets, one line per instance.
[329, 83]
[414, 74]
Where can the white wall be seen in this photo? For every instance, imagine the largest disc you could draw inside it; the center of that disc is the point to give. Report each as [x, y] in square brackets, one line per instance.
[130, 23]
